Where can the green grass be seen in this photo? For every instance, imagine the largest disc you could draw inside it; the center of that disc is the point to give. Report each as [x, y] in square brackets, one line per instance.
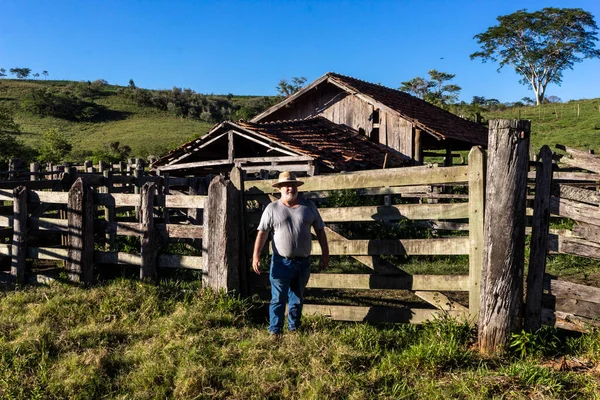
[129, 340]
[553, 124]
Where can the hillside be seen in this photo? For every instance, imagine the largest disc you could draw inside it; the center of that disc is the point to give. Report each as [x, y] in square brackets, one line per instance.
[575, 124]
[147, 129]
[153, 122]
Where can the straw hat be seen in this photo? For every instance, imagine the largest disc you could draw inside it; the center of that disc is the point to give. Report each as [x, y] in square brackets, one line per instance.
[286, 178]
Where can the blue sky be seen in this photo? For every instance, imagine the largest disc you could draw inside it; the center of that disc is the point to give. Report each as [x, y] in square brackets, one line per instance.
[246, 47]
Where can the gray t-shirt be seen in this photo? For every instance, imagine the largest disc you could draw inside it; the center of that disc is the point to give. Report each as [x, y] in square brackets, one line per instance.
[291, 227]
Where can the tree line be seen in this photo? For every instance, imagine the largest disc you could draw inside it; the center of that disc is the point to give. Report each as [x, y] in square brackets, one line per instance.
[23, 73]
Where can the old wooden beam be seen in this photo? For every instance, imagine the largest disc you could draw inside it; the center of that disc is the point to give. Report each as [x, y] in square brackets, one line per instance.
[504, 233]
[476, 208]
[221, 243]
[539, 241]
[19, 240]
[149, 237]
[80, 216]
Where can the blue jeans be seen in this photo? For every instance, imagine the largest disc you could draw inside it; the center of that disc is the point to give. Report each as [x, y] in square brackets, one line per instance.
[288, 280]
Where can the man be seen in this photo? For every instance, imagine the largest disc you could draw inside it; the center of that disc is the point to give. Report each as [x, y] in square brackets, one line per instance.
[290, 218]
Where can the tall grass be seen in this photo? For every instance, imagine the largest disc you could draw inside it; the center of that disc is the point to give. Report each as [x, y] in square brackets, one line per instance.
[131, 340]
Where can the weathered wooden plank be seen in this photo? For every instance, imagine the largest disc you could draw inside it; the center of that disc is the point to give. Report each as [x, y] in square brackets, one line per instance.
[396, 212]
[164, 260]
[566, 321]
[565, 289]
[411, 247]
[579, 247]
[559, 176]
[408, 176]
[149, 237]
[48, 253]
[441, 301]
[379, 314]
[19, 239]
[575, 210]
[504, 233]
[401, 282]
[476, 210]
[80, 215]
[587, 231]
[133, 200]
[577, 307]
[581, 159]
[568, 192]
[539, 241]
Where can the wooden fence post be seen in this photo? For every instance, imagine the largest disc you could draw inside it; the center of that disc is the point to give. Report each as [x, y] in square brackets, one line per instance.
[539, 241]
[221, 239]
[504, 233]
[237, 179]
[476, 222]
[80, 220]
[19, 249]
[34, 168]
[149, 236]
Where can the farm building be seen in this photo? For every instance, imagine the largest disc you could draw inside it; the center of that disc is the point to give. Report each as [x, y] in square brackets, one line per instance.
[312, 146]
[386, 116]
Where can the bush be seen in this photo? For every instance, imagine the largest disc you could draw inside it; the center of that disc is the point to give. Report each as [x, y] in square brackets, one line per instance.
[55, 146]
[44, 103]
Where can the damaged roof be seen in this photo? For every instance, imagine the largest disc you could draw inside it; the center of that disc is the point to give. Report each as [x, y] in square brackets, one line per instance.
[336, 146]
[431, 119]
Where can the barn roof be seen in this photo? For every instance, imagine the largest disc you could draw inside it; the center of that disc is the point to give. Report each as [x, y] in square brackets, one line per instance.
[431, 119]
[336, 146]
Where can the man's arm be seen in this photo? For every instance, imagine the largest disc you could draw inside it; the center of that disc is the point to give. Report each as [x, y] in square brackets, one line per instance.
[322, 238]
[261, 239]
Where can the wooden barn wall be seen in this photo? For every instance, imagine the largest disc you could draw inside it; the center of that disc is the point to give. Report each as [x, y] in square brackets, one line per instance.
[350, 111]
[310, 104]
[398, 133]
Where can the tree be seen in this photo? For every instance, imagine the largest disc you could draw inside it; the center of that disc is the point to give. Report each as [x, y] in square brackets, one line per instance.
[553, 99]
[20, 72]
[540, 45]
[435, 90]
[36, 75]
[285, 88]
[2, 72]
[55, 146]
[7, 123]
[45, 73]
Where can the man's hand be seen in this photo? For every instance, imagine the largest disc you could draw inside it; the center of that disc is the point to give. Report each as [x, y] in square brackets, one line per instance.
[324, 263]
[256, 264]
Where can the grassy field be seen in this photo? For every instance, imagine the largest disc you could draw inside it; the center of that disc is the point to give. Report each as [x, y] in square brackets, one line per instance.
[129, 340]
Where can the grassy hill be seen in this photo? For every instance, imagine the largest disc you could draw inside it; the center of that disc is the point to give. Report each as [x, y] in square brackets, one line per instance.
[134, 121]
[146, 129]
[575, 124]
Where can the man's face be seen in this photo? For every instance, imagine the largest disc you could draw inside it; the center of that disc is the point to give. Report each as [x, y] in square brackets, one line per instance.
[289, 193]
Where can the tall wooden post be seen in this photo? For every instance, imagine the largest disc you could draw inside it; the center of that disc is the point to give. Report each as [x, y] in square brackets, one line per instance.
[237, 179]
[149, 250]
[504, 233]
[80, 220]
[34, 168]
[221, 239]
[477, 164]
[539, 241]
[19, 249]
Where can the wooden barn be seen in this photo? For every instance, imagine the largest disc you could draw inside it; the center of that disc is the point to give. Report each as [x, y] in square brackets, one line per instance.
[311, 146]
[386, 116]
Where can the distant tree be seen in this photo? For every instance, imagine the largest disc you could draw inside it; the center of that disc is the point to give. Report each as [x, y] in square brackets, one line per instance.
[45, 73]
[435, 90]
[132, 84]
[528, 101]
[36, 75]
[553, 99]
[2, 72]
[540, 45]
[7, 122]
[285, 88]
[20, 72]
[55, 146]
